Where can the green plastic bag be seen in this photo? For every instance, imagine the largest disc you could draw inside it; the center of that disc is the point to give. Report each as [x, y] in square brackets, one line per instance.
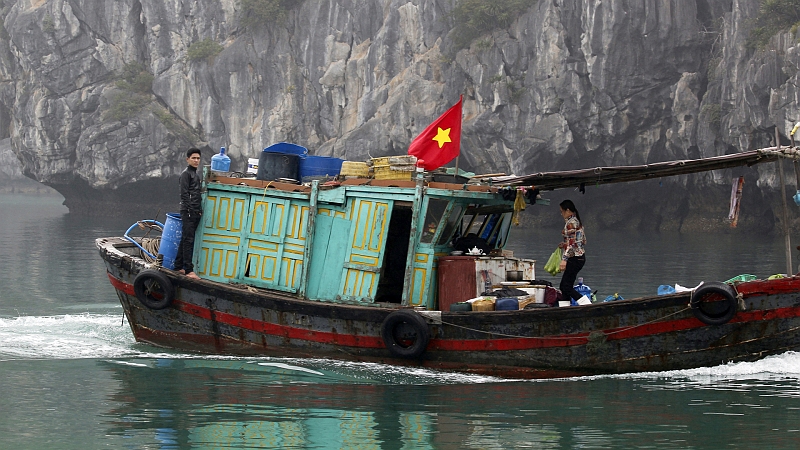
[553, 265]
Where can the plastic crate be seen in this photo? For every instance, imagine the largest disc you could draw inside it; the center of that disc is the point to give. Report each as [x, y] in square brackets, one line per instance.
[387, 173]
[402, 160]
[393, 167]
[354, 169]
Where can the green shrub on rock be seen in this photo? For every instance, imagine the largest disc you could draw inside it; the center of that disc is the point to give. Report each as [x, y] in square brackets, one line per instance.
[124, 105]
[773, 17]
[257, 13]
[474, 18]
[206, 48]
[135, 77]
[135, 86]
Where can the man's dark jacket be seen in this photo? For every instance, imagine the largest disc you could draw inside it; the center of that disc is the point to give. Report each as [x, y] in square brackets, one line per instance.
[190, 192]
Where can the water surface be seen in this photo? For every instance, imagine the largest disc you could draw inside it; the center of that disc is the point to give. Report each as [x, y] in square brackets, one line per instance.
[74, 378]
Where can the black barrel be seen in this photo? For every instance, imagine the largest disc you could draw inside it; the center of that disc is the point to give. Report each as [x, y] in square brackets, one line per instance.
[272, 165]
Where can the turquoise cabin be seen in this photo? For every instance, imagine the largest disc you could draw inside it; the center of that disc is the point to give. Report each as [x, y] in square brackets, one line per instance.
[359, 242]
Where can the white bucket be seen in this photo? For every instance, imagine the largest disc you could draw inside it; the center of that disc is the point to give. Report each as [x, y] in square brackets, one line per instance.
[252, 165]
[536, 291]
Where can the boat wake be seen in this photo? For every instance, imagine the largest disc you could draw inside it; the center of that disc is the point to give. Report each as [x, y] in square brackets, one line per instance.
[71, 336]
[785, 366]
[106, 337]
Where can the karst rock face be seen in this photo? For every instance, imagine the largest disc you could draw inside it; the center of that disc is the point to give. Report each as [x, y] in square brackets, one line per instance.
[568, 84]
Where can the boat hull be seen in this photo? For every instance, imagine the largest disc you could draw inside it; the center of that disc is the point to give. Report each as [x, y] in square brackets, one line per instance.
[647, 334]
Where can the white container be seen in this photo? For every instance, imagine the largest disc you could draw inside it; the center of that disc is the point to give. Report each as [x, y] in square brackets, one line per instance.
[584, 301]
[494, 268]
[536, 291]
[562, 304]
[252, 165]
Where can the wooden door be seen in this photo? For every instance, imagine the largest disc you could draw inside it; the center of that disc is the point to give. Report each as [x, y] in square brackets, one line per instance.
[361, 270]
[217, 246]
[275, 243]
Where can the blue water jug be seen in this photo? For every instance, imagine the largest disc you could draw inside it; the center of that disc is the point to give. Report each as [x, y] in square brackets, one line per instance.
[221, 162]
[583, 289]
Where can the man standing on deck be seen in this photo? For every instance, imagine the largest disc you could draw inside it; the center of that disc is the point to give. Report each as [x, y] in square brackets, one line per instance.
[191, 210]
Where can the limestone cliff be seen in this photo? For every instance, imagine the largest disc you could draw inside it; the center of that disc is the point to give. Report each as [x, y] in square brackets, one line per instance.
[101, 98]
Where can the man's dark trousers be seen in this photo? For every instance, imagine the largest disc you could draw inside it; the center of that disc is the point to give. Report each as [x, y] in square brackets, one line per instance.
[189, 223]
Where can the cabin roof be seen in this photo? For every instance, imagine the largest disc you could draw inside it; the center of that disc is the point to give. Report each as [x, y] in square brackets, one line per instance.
[399, 189]
[546, 181]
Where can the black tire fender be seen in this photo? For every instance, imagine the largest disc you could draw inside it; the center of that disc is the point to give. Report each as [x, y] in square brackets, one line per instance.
[721, 314]
[153, 289]
[404, 325]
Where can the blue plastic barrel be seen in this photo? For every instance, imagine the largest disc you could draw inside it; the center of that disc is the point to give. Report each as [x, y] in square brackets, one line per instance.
[319, 166]
[170, 240]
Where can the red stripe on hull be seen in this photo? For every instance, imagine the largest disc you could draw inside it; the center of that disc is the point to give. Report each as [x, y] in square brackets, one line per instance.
[120, 285]
[502, 344]
[201, 343]
[272, 329]
[259, 326]
[651, 329]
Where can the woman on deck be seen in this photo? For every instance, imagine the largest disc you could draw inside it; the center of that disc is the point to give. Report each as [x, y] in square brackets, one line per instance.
[573, 258]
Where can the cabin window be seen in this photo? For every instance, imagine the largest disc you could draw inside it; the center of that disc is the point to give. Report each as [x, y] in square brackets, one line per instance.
[503, 229]
[492, 228]
[436, 209]
[476, 224]
[453, 220]
[489, 227]
[496, 237]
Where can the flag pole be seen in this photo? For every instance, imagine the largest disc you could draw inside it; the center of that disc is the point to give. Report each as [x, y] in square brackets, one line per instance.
[455, 175]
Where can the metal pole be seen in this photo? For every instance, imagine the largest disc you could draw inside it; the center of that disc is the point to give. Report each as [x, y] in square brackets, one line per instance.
[787, 238]
[310, 228]
[416, 211]
[796, 174]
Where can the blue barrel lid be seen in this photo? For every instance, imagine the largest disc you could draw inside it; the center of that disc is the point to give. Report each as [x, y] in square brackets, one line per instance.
[287, 147]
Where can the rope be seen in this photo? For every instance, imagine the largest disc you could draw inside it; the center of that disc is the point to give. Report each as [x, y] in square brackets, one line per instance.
[150, 244]
[265, 191]
[565, 338]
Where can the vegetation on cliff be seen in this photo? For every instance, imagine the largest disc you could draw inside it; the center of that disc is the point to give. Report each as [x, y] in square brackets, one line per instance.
[474, 18]
[773, 17]
[135, 85]
[207, 48]
[256, 13]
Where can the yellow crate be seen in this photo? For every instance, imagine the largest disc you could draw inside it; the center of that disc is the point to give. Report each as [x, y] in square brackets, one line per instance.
[384, 161]
[400, 161]
[387, 173]
[354, 169]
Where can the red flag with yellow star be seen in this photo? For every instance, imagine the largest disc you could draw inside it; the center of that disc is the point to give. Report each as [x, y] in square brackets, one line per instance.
[440, 142]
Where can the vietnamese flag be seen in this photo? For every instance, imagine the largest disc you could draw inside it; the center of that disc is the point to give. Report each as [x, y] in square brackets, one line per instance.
[440, 142]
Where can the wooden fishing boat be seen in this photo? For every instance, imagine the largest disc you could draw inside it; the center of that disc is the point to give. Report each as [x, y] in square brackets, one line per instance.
[362, 270]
